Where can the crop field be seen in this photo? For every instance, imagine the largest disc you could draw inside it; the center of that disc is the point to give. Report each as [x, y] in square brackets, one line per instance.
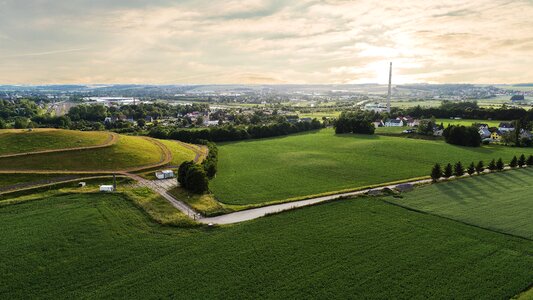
[499, 201]
[360, 248]
[14, 179]
[20, 141]
[129, 151]
[258, 171]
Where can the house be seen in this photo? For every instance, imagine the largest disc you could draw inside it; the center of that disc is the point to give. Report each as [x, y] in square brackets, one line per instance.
[413, 122]
[484, 132]
[496, 135]
[525, 134]
[165, 174]
[106, 188]
[211, 122]
[394, 123]
[376, 107]
[378, 123]
[438, 131]
[505, 127]
[305, 119]
[149, 119]
[482, 125]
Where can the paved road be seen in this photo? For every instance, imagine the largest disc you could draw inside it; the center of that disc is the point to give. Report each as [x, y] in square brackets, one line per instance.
[113, 138]
[255, 213]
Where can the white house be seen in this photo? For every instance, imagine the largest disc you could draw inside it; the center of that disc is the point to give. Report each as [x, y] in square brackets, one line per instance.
[106, 188]
[378, 123]
[505, 127]
[164, 174]
[484, 132]
[393, 123]
[377, 107]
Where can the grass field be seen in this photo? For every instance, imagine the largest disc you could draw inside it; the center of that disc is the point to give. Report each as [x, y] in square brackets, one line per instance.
[101, 246]
[500, 201]
[129, 151]
[179, 153]
[20, 141]
[467, 122]
[257, 171]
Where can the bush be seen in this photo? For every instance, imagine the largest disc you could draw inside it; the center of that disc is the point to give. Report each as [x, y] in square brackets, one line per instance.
[529, 161]
[458, 169]
[471, 169]
[514, 162]
[480, 167]
[500, 165]
[436, 172]
[522, 160]
[492, 165]
[448, 171]
[211, 161]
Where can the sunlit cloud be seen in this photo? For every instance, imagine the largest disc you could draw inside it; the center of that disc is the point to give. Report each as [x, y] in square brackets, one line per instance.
[262, 41]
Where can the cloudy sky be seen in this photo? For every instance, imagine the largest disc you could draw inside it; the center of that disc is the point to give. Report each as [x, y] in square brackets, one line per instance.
[265, 41]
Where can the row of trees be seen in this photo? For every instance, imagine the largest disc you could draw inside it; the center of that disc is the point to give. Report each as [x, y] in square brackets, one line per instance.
[233, 133]
[354, 122]
[495, 165]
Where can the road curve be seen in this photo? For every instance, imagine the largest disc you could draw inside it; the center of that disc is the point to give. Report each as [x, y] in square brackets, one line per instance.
[113, 138]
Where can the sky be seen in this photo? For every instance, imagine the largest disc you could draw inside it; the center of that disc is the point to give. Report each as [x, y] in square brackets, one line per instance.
[265, 41]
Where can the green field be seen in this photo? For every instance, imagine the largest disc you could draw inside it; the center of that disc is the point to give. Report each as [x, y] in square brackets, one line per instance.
[102, 246]
[499, 202]
[179, 153]
[129, 151]
[258, 171]
[13, 179]
[20, 141]
[467, 122]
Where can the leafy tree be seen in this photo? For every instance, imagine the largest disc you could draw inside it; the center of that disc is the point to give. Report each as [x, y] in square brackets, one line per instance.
[141, 123]
[21, 123]
[462, 135]
[480, 167]
[182, 172]
[197, 180]
[471, 169]
[425, 127]
[2, 124]
[458, 169]
[492, 165]
[354, 122]
[514, 162]
[529, 161]
[448, 171]
[521, 160]
[500, 165]
[436, 172]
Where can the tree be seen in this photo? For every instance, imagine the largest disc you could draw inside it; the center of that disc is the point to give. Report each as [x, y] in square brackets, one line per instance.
[522, 160]
[2, 124]
[197, 180]
[492, 165]
[436, 172]
[463, 136]
[141, 123]
[500, 165]
[514, 162]
[21, 123]
[529, 161]
[425, 127]
[458, 169]
[448, 171]
[182, 172]
[480, 167]
[471, 169]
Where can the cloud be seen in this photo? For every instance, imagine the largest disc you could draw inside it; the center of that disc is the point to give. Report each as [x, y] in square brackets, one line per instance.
[264, 41]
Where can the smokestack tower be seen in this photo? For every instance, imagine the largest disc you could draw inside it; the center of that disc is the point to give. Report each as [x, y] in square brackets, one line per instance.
[389, 93]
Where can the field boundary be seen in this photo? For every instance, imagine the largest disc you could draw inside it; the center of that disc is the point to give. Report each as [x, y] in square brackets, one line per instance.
[112, 139]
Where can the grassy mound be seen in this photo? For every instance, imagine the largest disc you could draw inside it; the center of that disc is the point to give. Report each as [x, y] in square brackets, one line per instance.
[499, 201]
[128, 152]
[101, 246]
[257, 171]
[179, 152]
[22, 141]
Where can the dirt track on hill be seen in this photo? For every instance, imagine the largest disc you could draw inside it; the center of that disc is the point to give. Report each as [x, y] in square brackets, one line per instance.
[113, 138]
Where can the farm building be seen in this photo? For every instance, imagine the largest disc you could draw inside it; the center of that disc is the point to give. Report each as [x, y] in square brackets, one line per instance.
[165, 174]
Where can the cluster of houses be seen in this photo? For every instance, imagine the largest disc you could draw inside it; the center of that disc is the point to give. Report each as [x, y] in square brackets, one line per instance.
[398, 122]
[495, 134]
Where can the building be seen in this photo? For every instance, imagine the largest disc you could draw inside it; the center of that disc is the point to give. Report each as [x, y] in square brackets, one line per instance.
[505, 127]
[496, 135]
[107, 188]
[394, 123]
[165, 174]
[378, 123]
[376, 107]
[484, 132]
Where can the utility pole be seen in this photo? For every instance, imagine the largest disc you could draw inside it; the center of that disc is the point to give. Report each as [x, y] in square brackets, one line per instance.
[390, 86]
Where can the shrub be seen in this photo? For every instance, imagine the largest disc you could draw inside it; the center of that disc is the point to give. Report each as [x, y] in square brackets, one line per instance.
[529, 161]
[471, 169]
[492, 165]
[448, 171]
[522, 160]
[500, 165]
[480, 167]
[458, 169]
[514, 162]
[436, 172]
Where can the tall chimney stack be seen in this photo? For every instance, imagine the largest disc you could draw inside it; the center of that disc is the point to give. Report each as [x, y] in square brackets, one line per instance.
[390, 82]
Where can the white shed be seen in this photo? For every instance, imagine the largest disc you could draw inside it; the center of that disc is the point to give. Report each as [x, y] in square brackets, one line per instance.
[106, 188]
[164, 174]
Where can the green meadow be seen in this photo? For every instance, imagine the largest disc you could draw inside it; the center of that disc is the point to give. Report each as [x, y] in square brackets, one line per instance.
[128, 152]
[259, 171]
[501, 202]
[103, 246]
[20, 141]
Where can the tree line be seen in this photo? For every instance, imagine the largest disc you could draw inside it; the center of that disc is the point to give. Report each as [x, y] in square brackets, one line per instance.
[354, 122]
[458, 169]
[195, 177]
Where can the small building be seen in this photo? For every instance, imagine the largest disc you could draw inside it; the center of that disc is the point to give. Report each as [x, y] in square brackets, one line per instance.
[484, 132]
[165, 174]
[505, 127]
[393, 123]
[525, 134]
[82, 184]
[107, 188]
[306, 119]
[378, 123]
[496, 135]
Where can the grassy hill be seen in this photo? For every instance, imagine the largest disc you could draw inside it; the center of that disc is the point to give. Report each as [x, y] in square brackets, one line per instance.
[128, 152]
[257, 171]
[361, 248]
[21, 141]
[500, 201]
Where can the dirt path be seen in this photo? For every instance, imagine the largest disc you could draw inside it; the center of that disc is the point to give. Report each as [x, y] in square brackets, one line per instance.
[201, 153]
[113, 138]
